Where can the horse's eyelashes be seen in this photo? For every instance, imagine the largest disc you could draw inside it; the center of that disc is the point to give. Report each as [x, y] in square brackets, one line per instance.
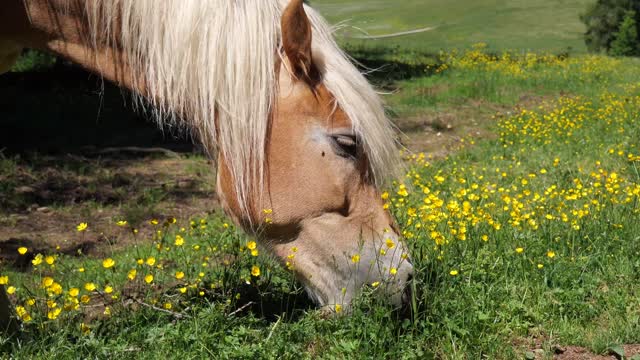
[346, 145]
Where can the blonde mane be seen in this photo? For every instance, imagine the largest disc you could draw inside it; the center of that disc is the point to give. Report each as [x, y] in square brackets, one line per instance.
[212, 63]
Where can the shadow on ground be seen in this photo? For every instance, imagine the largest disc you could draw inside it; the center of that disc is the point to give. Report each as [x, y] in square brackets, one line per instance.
[73, 149]
[66, 109]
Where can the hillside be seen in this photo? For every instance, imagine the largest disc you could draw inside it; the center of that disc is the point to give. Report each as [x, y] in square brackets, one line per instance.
[551, 25]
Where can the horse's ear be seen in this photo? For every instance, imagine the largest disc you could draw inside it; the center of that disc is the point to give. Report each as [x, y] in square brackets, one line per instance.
[296, 40]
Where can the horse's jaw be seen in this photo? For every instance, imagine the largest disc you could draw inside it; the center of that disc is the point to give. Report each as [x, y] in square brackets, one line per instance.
[334, 259]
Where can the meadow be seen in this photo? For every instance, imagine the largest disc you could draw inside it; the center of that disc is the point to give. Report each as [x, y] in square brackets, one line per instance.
[524, 234]
[547, 25]
[520, 204]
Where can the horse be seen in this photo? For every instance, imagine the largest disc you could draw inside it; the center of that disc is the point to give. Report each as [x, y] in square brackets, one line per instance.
[300, 138]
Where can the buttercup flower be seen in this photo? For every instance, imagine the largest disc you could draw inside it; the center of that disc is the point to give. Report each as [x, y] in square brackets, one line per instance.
[255, 271]
[108, 263]
[82, 227]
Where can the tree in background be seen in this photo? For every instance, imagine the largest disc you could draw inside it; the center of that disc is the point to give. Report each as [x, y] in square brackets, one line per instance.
[626, 39]
[603, 20]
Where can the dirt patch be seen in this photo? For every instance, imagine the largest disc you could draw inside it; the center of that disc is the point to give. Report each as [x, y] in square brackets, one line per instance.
[441, 132]
[44, 199]
[580, 353]
[541, 346]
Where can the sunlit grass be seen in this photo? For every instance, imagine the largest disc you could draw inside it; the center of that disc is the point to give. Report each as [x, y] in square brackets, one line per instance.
[529, 237]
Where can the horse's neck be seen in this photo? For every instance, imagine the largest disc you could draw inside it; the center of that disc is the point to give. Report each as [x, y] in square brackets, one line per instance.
[59, 26]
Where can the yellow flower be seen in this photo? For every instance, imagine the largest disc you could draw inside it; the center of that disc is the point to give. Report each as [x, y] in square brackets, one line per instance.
[26, 317]
[55, 288]
[355, 258]
[23, 314]
[121, 223]
[375, 283]
[11, 290]
[153, 221]
[179, 275]
[255, 271]
[31, 301]
[453, 272]
[90, 286]
[107, 311]
[22, 250]
[82, 227]
[183, 289]
[108, 289]
[85, 298]
[485, 238]
[148, 279]
[4, 280]
[393, 271]
[519, 250]
[540, 266]
[338, 308]
[49, 259]
[390, 243]
[151, 260]
[179, 240]
[52, 304]
[74, 292]
[81, 269]
[47, 281]
[85, 329]
[254, 252]
[108, 263]
[53, 314]
[168, 306]
[551, 254]
[132, 274]
[37, 260]
[251, 245]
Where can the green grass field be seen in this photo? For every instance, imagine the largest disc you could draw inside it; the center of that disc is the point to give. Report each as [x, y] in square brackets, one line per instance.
[551, 25]
[524, 239]
[520, 206]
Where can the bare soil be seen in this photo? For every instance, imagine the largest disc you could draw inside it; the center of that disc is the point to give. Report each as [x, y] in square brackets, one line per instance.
[52, 195]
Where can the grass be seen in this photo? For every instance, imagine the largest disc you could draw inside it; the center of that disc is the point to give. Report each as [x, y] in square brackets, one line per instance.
[526, 239]
[505, 77]
[541, 25]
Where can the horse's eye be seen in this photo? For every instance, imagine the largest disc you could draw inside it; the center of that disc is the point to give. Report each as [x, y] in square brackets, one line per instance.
[345, 145]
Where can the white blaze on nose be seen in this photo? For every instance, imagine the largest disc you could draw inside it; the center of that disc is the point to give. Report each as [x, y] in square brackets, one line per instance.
[383, 263]
[394, 258]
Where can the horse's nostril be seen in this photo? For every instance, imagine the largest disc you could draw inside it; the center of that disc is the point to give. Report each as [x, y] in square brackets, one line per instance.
[407, 294]
[407, 297]
[409, 279]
